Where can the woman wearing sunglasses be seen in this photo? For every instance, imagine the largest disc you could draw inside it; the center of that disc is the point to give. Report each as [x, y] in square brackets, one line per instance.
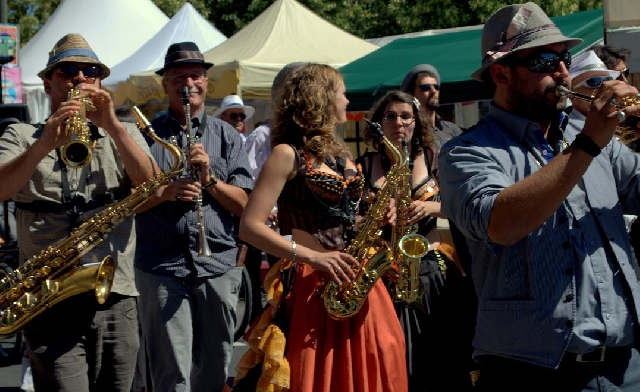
[438, 328]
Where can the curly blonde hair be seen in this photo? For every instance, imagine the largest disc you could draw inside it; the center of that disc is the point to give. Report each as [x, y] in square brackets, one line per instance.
[305, 111]
[423, 135]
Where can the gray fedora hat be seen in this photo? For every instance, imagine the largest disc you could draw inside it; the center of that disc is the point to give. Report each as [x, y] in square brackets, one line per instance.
[514, 28]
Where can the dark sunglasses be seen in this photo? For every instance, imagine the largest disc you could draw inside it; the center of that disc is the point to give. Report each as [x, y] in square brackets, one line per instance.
[427, 86]
[91, 71]
[593, 82]
[625, 73]
[405, 118]
[542, 62]
[234, 116]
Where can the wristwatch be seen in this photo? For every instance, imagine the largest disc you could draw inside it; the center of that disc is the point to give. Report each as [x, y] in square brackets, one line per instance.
[214, 180]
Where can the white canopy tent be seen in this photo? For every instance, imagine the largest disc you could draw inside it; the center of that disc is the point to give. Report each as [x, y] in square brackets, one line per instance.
[186, 25]
[285, 32]
[121, 27]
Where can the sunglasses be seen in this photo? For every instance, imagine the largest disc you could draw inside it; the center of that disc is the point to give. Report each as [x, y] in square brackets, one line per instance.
[234, 116]
[593, 82]
[72, 70]
[405, 118]
[542, 62]
[427, 86]
[625, 73]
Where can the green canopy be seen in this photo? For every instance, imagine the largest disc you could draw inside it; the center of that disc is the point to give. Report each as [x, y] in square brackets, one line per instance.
[456, 55]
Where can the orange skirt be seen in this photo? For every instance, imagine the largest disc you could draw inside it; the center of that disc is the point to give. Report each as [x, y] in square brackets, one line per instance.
[364, 353]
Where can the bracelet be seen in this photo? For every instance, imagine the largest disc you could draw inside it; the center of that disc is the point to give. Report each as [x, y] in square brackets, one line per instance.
[586, 144]
[214, 180]
[293, 251]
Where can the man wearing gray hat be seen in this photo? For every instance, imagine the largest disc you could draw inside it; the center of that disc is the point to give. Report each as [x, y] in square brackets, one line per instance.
[423, 82]
[541, 208]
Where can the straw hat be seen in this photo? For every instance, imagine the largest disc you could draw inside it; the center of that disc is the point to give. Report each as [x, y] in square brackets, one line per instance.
[234, 102]
[587, 62]
[514, 28]
[183, 53]
[73, 48]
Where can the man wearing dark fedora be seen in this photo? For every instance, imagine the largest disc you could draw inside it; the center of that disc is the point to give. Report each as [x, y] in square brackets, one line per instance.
[78, 344]
[189, 313]
[541, 206]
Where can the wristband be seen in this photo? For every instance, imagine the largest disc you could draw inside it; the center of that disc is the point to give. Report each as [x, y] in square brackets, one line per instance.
[214, 180]
[586, 144]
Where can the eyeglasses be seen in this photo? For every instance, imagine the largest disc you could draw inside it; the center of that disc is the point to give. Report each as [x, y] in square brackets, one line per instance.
[427, 86]
[182, 78]
[542, 62]
[593, 82]
[405, 118]
[72, 70]
[234, 116]
[625, 73]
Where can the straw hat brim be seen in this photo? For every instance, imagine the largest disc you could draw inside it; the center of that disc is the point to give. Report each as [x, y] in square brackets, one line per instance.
[76, 59]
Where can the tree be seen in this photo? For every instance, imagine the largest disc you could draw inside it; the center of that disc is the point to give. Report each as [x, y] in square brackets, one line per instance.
[30, 15]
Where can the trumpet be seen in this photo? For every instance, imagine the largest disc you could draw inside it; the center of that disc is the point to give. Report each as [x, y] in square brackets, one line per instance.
[203, 245]
[77, 153]
[625, 132]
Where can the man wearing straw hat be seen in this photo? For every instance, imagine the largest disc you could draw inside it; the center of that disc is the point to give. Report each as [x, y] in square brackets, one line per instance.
[189, 313]
[78, 344]
[541, 209]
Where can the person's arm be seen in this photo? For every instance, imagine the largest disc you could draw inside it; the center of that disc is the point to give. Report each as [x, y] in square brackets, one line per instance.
[277, 170]
[136, 161]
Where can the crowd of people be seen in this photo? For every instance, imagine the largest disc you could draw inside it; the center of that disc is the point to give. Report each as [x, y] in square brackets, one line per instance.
[539, 288]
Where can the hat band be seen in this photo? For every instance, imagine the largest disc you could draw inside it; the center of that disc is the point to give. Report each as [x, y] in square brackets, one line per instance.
[72, 53]
[183, 55]
[503, 48]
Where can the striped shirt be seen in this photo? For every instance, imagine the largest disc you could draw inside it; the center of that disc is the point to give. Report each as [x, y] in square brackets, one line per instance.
[168, 233]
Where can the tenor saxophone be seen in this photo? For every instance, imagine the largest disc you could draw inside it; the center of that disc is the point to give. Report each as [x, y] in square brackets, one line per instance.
[345, 300]
[56, 272]
[407, 246]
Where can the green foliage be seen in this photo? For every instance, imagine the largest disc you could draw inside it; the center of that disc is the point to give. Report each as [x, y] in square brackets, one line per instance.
[363, 18]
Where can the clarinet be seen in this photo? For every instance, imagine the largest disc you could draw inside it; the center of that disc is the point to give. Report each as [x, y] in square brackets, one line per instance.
[203, 245]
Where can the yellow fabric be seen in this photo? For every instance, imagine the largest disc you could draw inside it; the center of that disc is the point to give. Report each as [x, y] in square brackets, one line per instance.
[266, 340]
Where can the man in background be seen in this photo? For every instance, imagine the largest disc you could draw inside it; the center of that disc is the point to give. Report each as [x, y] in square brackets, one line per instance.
[233, 111]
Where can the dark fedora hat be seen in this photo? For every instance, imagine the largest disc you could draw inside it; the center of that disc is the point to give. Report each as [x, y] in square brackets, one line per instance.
[183, 53]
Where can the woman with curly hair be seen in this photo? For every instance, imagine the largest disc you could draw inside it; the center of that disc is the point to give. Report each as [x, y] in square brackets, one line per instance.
[439, 327]
[317, 187]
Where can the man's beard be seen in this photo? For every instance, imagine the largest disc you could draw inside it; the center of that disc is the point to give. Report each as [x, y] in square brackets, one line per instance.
[534, 104]
[432, 104]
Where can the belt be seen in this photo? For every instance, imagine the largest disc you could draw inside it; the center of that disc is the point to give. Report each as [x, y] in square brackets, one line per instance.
[600, 354]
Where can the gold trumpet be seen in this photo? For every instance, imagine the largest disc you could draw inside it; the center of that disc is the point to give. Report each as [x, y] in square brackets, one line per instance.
[625, 132]
[77, 153]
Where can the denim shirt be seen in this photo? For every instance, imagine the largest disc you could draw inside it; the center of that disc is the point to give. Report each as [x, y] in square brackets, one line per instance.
[527, 305]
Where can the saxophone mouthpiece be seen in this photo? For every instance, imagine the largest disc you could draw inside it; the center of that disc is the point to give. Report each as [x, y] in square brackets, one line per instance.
[141, 120]
[375, 127]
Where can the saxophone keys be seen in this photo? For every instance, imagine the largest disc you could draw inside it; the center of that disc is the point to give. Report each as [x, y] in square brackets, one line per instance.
[44, 271]
[8, 317]
[27, 301]
[57, 262]
[50, 287]
[29, 283]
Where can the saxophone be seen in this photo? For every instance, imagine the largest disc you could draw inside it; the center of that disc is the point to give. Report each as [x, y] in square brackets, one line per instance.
[407, 247]
[344, 301]
[56, 272]
[77, 153]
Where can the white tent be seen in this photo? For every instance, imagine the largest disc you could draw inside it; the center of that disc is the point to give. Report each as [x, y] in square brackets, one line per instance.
[186, 25]
[118, 29]
[285, 32]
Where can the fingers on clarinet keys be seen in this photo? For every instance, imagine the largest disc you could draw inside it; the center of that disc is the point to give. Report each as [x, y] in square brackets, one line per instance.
[612, 102]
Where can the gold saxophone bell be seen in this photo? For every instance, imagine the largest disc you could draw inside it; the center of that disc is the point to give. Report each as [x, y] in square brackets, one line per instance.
[78, 152]
[626, 131]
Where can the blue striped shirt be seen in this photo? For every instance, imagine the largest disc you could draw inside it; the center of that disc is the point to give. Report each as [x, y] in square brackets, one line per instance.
[167, 233]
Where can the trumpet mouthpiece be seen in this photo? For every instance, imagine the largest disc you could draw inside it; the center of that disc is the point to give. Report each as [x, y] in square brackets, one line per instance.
[562, 91]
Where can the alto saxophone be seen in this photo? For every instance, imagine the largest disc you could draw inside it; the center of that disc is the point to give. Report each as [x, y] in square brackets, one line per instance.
[407, 247]
[56, 272]
[345, 300]
[77, 153]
